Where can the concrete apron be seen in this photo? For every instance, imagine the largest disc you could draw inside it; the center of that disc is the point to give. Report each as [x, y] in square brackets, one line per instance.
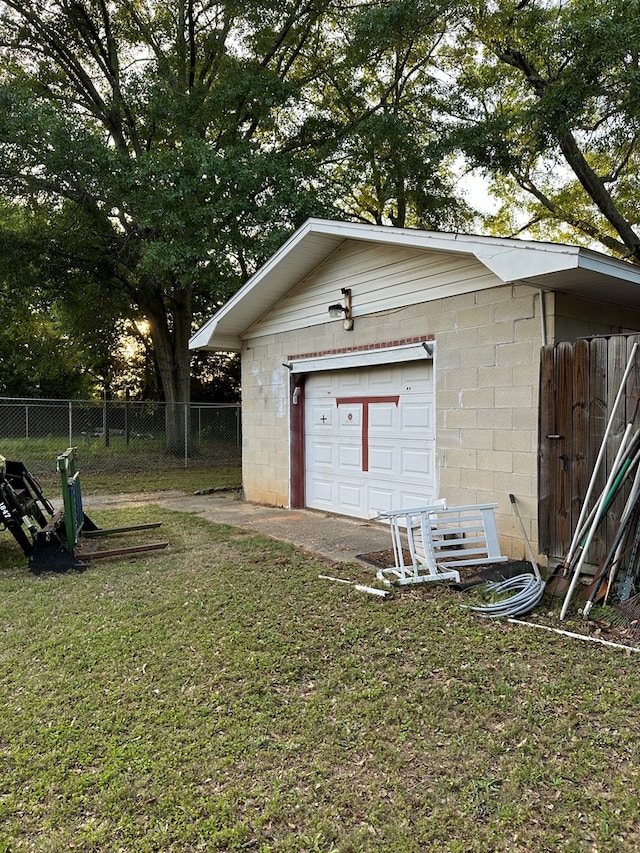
[336, 537]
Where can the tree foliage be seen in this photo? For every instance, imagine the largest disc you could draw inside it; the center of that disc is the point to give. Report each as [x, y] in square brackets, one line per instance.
[549, 100]
[156, 123]
[160, 152]
[384, 95]
[182, 141]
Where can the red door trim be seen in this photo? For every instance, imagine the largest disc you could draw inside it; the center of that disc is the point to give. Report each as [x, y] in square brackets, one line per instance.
[296, 431]
[365, 402]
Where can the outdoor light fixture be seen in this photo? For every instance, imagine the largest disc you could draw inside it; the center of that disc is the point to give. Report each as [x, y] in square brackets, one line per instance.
[343, 311]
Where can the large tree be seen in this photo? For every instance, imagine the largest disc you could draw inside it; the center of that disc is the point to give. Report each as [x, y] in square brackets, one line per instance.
[549, 96]
[162, 129]
[390, 164]
[176, 143]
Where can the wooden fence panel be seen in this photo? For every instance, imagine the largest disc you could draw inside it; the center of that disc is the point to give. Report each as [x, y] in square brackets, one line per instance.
[565, 452]
[579, 468]
[578, 386]
[546, 449]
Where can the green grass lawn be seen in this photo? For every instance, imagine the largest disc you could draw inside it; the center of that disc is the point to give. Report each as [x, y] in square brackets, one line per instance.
[220, 696]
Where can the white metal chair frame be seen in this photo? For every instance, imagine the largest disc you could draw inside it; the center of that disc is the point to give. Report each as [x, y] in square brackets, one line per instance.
[440, 540]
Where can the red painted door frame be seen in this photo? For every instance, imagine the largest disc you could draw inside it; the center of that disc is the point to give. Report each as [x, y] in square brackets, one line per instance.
[296, 431]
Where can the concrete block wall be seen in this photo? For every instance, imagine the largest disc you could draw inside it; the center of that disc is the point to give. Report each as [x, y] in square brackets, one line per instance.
[487, 348]
[487, 366]
[265, 422]
[573, 318]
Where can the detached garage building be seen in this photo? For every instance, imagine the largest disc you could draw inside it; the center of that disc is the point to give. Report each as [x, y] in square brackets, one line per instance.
[384, 368]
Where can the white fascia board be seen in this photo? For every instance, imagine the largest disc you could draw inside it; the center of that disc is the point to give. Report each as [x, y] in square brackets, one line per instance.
[201, 338]
[363, 358]
[516, 263]
[533, 260]
[611, 267]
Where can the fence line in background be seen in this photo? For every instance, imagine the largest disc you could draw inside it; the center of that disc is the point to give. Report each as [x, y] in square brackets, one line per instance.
[120, 434]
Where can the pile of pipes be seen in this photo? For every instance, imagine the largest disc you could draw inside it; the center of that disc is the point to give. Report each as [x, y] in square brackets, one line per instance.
[618, 573]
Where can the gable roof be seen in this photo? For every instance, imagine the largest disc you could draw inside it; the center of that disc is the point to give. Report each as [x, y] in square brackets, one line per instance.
[551, 266]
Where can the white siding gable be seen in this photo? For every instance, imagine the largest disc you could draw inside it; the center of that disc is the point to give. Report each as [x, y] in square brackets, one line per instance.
[382, 278]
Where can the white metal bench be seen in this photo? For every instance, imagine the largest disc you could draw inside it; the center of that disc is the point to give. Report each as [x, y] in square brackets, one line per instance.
[440, 540]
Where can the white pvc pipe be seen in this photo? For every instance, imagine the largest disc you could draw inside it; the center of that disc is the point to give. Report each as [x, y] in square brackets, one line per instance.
[596, 521]
[626, 513]
[372, 590]
[601, 452]
[574, 636]
[615, 562]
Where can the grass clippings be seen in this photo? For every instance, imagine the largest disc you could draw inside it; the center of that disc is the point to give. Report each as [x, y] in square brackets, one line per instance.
[221, 696]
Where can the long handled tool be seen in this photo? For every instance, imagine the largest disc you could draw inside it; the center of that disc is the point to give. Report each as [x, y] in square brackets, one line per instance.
[530, 554]
[558, 581]
[598, 517]
[601, 453]
[612, 559]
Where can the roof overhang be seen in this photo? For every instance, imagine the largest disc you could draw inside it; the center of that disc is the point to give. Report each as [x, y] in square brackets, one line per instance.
[550, 266]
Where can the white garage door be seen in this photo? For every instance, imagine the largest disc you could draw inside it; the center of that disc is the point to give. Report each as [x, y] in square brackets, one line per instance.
[369, 438]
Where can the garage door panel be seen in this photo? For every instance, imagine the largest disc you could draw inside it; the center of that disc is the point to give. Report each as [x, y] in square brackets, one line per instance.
[350, 497]
[384, 383]
[381, 460]
[381, 499]
[415, 461]
[322, 414]
[380, 453]
[417, 497]
[350, 417]
[383, 416]
[322, 454]
[417, 416]
[321, 492]
[350, 456]
[346, 382]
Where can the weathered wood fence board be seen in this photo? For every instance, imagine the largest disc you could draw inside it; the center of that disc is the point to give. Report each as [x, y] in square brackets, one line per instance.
[578, 386]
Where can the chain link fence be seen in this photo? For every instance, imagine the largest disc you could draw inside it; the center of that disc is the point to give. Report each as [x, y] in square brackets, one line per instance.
[120, 434]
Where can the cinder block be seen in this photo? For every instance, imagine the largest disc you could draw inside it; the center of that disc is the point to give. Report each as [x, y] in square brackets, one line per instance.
[515, 440]
[517, 308]
[495, 460]
[526, 463]
[454, 380]
[477, 398]
[461, 458]
[490, 419]
[475, 316]
[520, 485]
[466, 419]
[493, 377]
[528, 330]
[478, 479]
[492, 295]
[479, 439]
[523, 352]
[518, 397]
[527, 374]
[478, 356]
[450, 438]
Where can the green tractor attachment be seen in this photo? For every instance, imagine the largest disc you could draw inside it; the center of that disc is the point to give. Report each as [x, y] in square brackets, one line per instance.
[56, 540]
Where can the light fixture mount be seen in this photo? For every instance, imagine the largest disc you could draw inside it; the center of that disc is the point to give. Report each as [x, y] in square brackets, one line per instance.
[340, 311]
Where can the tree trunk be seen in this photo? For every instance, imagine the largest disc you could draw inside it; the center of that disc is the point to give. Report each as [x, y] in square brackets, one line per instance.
[170, 336]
